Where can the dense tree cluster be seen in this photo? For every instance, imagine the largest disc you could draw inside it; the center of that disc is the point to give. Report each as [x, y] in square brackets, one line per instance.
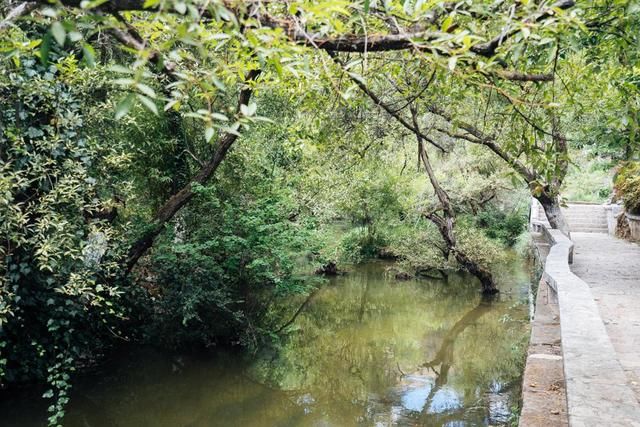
[171, 170]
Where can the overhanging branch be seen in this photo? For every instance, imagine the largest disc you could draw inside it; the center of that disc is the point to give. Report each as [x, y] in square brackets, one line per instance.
[392, 112]
[348, 43]
[182, 197]
[479, 137]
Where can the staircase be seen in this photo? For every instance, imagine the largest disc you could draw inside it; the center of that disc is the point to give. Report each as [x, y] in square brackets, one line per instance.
[581, 217]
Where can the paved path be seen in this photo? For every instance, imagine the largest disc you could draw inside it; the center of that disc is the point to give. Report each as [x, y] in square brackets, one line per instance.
[611, 267]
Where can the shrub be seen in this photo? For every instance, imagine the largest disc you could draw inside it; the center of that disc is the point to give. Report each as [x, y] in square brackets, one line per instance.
[417, 248]
[482, 249]
[502, 226]
[627, 185]
[58, 298]
[219, 280]
[360, 243]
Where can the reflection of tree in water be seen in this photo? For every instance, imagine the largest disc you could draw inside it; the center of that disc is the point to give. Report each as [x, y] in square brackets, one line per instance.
[346, 348]
[479, 393]
[339, 365]
[442, 362]
[346, 343]
[444, 356]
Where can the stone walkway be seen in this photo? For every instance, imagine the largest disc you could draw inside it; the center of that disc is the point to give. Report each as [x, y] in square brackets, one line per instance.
[611, 268]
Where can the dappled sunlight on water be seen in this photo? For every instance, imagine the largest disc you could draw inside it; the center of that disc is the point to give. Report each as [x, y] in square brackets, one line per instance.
[367, 350]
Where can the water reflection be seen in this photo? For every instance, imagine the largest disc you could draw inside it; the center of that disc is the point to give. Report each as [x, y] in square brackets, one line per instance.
[365, 350]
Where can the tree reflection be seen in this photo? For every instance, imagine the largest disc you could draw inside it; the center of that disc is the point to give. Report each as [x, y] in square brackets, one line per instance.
[348, 348]
[442, 362]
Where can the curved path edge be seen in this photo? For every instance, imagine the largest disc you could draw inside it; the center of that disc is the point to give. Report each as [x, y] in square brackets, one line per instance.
[596, 386]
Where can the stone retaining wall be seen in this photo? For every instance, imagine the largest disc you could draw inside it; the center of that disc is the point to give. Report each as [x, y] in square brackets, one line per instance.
[596, 386]
[634, 226]
[613, 211]
[544, 399]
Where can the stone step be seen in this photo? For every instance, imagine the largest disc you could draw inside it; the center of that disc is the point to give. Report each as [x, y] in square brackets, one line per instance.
[581, 211]
[597, 213]
[584, 212]
[590, 218]
[580, 214]
[586, 228]
[602, 223]
[586, 218]
[583, 218]
[582, 223]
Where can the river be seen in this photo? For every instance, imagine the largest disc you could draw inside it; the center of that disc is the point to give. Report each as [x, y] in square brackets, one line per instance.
[366, 350]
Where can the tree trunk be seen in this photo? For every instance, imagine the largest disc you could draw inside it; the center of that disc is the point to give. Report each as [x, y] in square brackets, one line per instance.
[182, 197]
[446, 226]
[446, 222]
[551, 206]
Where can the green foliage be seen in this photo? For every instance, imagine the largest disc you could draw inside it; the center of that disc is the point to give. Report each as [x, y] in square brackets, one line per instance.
[58, 294]
[230, 259]
[483, 250]
[500, 225]
[77, 142]
[418, 248]
[628, 186]
[525, 246]
[359, 244]
[589, 177]
[371, 200]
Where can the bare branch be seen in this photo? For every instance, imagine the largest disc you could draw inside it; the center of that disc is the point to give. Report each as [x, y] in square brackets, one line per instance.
[486, 140]
[20, 10]
[376, 100]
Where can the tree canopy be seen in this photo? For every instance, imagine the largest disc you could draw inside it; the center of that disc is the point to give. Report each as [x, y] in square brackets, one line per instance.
[168, 166]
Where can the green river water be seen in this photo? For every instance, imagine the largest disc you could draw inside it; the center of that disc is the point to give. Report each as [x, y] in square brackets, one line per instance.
[366, 350]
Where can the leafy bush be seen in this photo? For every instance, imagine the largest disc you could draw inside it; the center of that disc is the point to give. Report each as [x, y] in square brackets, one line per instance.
[627, 185]
[502, 226]
[58, 297]
[588, 178]
[360, 243]
[419, 248]
[482, 249]
[220, 279]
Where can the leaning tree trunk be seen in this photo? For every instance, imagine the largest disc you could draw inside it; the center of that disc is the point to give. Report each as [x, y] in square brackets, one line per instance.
[176, 202]
[555, 216]
[549, 198]
[484, 275]
[180, 196]
[446, 221]
[446, 226]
